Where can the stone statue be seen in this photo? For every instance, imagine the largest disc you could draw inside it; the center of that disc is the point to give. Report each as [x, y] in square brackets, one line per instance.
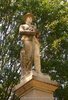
[30, 52]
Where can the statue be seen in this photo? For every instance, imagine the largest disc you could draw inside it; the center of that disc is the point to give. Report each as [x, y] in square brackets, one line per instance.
[30, 52]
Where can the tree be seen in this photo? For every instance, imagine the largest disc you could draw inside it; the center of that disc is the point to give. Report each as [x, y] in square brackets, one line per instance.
[52, 23]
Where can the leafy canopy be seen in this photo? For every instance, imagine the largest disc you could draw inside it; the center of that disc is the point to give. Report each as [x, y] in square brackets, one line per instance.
[52, 23]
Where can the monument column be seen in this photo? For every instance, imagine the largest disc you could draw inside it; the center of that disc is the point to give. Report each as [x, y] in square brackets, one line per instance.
[34, 84]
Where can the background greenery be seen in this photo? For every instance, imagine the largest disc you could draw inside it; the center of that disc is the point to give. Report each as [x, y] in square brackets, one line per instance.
[52, 22]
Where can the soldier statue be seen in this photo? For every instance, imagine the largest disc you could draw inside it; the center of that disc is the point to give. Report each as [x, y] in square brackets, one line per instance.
[30, 53]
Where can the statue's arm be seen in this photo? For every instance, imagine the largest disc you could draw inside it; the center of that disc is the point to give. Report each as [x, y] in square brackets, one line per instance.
[23, 31]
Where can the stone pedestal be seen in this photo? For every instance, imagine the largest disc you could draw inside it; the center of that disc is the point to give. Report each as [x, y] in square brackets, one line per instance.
[36, 86]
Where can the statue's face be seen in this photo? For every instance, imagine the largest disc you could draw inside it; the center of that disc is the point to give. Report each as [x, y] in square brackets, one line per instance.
[29, 19]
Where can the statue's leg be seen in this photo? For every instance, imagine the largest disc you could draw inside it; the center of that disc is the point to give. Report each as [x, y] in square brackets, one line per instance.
[22, 58]
[28, 50]
[37, 57]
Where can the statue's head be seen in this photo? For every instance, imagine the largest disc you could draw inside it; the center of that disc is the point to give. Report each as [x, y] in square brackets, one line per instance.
[28, 18]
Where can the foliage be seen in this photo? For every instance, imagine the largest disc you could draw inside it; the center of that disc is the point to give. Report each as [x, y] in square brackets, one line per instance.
[52, 23]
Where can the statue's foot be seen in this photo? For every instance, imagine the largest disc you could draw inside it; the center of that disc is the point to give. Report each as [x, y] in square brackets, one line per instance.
[22, 77]
[27, 73]
[38, 71]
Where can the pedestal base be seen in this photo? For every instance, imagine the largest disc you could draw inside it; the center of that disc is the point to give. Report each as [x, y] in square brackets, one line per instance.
[36, 86]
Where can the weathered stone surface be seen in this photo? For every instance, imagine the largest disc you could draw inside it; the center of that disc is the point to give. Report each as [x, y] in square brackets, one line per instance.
[33, 84]
[36, 85]
[30, 52]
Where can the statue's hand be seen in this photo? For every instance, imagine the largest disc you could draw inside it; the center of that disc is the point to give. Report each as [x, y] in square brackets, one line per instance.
[38, 36]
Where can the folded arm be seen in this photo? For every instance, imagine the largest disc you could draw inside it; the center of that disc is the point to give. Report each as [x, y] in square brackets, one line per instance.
[24, 31]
